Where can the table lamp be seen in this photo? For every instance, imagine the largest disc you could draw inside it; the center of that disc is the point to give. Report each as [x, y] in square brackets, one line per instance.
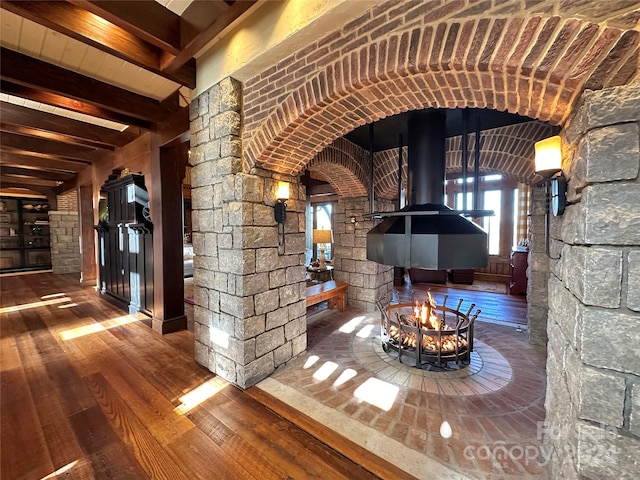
[322, 237]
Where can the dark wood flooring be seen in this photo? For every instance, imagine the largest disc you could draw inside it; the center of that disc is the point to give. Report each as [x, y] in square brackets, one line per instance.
[87, 393]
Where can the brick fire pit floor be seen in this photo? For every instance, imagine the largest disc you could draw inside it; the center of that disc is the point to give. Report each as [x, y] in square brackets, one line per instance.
[494, 408]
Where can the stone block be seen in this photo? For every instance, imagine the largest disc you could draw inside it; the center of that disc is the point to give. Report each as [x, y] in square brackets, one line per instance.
[201, 352]
[226, 123]
[298, 309]
[611, 214]
[262, 215]
[295, 328]
[594, 275]
[602, 397]
[295, 274]
[634, 419]
[608, 154]
[265, 302]
[255, 283]
[267, 260]
[299, 344]
[356, 280]
[250, 327]
[633, 287]
[230, 95]
[259, 237]
[277, 318]
[269, 341]
[566, 311]
[277, 278]
[603, 453]
[231, 304]
[610, 340]
[239, 214]
[250, 188]
[282, 354]
[255, 371]
[611, 106]
[289, 294]
[225, 368]
[233, 260]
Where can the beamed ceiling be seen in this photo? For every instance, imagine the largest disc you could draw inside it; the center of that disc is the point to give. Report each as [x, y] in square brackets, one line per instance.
[80, 78]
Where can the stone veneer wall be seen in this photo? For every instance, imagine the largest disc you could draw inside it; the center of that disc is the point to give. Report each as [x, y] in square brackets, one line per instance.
[250, 309]
[593, 394]
[538, 270]
[64, 228]
[368, 281]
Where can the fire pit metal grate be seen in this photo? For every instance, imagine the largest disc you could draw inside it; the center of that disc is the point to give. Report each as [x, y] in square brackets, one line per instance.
[435, 336]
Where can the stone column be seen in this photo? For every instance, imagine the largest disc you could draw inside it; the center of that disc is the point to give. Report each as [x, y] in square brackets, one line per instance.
[368, 280]
[592, 429]
[250, 309]
[537, 271]
[64, 228]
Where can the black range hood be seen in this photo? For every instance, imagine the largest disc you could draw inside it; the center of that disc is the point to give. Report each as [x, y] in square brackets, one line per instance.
[427, 234]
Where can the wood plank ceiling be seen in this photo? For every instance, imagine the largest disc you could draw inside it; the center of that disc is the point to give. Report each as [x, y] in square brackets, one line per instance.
[80, 78]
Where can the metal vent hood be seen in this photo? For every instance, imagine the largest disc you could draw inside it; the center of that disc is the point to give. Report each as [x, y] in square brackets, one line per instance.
[427, 234]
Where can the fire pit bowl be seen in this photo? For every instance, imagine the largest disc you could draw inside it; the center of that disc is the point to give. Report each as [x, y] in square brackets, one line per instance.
[433, 335]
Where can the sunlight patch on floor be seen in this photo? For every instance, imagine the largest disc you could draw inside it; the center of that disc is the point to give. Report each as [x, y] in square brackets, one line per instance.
[199, 395]
[325, 371]
[351, 325]
[96, 327]
[377, 393]
[27, 306]
[60, 471]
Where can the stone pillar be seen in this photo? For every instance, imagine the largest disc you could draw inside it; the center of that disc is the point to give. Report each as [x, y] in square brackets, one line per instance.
[537, 271]
[368, 280]
[250, 309]
[592, 429]
[64, 228]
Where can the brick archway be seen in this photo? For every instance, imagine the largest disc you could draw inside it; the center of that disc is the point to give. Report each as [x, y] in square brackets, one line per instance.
[535, 66]
[342, 165]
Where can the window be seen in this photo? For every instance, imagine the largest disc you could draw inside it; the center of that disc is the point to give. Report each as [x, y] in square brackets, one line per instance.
[492, 200]
[322, 220]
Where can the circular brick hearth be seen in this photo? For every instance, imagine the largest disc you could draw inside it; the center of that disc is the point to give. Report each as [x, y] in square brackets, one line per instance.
[489, 371]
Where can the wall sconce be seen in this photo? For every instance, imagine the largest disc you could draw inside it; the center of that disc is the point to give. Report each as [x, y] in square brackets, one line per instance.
[280, 211]
[322, 237]
[548, 164]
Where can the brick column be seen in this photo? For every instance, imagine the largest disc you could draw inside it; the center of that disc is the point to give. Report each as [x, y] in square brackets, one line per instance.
[64, 228]
[250, 311]
[593, 364]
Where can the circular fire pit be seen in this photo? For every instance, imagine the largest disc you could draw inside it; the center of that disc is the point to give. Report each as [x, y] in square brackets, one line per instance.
[435, 336]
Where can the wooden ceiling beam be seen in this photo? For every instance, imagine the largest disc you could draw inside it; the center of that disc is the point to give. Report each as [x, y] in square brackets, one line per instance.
[81, 132]
[61, 101]
[36, 74]
[7, 180]
[100, 33]
[49, 147]
[145, 19]
[12, 158]
[36, 173]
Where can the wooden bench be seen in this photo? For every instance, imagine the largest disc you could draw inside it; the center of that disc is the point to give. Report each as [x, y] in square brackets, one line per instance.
[334, 292]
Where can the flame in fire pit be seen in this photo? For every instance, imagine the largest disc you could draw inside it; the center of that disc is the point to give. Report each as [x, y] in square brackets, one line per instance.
[426, 314]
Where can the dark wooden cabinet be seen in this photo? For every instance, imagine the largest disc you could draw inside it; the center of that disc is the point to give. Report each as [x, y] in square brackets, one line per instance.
[126, 245]
[519, 264]
[24, 234]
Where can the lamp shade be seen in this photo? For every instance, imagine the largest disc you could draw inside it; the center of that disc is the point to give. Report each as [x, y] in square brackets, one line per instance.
[282, 191]
[548, 156]
[322, 236]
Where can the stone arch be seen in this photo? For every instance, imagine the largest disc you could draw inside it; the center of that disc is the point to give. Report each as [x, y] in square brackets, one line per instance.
[535, 66]
[341, 164]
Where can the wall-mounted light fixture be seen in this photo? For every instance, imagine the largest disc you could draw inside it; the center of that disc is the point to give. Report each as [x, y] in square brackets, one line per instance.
[548, 164]
[322, 237]
[280, 211]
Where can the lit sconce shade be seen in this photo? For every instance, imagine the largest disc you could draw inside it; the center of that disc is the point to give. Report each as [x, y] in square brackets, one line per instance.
[282, 192]
[548, 156]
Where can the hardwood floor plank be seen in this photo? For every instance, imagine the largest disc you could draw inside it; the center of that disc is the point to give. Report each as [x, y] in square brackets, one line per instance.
[132, 432]
[21, 431]
[258, 464]
[92, 393]
[251, 419]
